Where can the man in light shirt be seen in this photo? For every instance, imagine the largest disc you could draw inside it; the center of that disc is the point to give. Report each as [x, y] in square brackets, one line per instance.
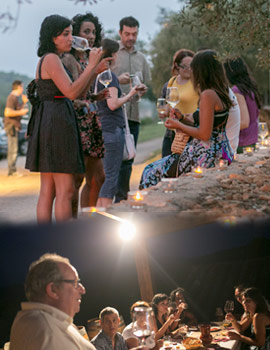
[54, 292]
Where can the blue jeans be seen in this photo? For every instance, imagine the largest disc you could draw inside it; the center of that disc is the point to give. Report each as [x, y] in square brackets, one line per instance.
[114, 148]
[12, 135]
[126, 167]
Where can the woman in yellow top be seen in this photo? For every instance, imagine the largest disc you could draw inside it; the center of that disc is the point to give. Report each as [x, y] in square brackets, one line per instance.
[188, 96]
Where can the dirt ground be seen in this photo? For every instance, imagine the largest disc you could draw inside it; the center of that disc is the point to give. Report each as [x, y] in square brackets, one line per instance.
[18, 195]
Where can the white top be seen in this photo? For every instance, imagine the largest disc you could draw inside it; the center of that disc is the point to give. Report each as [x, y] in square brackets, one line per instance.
[127, 333]
[42, 327]
[233, 123]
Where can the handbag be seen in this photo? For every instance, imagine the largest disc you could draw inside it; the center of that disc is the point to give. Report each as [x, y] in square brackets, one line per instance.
[179, 142]
[129, 146]
[181, 138]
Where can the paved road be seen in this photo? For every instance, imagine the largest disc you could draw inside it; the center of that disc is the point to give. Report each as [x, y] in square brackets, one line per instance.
[18, 195]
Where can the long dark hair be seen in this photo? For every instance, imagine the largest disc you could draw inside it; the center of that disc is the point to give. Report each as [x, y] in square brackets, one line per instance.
[259, 300]
[51, 27]
[88, 17]
[156, 300]
[238, 74]
[178, 57]
[208, 73]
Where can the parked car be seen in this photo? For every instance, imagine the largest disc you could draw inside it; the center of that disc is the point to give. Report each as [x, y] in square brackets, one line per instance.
[22, 139]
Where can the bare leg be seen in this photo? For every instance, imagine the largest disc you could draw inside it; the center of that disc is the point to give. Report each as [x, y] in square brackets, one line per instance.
[78, 179]
[46, 197]
[104, 202]
[94, 177]
[64, 186]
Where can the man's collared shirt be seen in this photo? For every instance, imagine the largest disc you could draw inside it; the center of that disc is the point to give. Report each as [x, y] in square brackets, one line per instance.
[131, 62]
[43, 327]
[103, 342]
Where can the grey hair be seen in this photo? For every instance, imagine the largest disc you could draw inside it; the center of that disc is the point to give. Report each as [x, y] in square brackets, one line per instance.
[107, 311]
[40, 273]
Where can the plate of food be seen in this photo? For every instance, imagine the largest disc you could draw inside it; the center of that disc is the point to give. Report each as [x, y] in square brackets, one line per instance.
[191, 343]
[215, 329]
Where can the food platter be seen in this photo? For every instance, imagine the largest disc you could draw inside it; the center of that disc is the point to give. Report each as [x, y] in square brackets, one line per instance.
[191, 343]
[215, 329]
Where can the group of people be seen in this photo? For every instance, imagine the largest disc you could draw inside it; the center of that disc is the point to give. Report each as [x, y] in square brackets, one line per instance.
[76, 129]
[54, 293]
[217, 120]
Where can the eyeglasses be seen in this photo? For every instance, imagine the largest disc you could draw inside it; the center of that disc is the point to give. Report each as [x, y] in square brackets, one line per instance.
[76, 283]
[183, 66]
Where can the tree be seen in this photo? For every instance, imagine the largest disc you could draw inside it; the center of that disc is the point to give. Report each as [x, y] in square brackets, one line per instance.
[238, 24]
[176, 34]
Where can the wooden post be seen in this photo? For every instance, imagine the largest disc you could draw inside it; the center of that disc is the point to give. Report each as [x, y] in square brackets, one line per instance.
[143, 269]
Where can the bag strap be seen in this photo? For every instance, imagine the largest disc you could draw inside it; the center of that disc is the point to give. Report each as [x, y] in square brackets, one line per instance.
[124, 109]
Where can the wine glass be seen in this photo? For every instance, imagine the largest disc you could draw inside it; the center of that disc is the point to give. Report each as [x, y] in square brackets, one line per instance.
[263, 131]
[136, 81]
[228, 307]
[172, 96]
[142, 323]
[80, 44]
[162, 109]
[105, 77]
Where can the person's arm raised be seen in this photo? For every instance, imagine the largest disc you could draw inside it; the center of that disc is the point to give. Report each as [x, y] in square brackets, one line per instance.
[53, 69]
[115, 102]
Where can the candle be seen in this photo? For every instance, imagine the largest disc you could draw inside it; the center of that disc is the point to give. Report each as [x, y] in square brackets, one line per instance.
[169, 184]
[136, 198]
[197, 172]
[221, 164]
[248, 151]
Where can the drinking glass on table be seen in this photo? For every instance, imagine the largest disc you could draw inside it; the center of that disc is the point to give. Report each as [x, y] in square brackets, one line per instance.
[162, 109]
[142, 323]
[228, 307]
[105, 77]
[172, 96]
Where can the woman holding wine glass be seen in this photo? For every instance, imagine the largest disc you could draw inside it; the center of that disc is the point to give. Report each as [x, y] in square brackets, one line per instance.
[188, 98]
[163, 320]
[112, 121]
[254, 305]
[208, 136]
[247, 94]
[88, 27]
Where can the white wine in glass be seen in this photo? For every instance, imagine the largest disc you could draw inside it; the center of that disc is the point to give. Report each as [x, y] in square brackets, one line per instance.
[162, 109]
[172, 96]
[105, 77]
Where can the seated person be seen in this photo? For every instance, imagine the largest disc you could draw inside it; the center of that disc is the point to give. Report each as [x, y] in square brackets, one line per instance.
[131, 340]
[108, 338]
[186, 317]
[208, 136]
[255, 305]
[163, 320]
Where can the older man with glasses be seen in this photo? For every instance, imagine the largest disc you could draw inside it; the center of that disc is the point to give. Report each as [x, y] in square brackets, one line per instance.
[54, 293]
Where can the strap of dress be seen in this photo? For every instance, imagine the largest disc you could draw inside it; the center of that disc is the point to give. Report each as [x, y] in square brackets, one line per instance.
[39, 68]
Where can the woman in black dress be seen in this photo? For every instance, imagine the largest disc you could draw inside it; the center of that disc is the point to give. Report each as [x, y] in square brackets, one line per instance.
[54, 144]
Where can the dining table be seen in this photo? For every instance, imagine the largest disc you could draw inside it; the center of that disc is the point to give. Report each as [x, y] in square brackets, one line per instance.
[220, 339]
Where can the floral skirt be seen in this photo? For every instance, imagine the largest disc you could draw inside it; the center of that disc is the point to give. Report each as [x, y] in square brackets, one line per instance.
[196, 152]
[91, 135]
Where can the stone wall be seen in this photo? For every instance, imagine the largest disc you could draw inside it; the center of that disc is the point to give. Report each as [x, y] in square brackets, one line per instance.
[242, 190]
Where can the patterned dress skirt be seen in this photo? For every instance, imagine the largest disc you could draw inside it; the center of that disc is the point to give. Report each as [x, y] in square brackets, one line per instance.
[196, 153]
